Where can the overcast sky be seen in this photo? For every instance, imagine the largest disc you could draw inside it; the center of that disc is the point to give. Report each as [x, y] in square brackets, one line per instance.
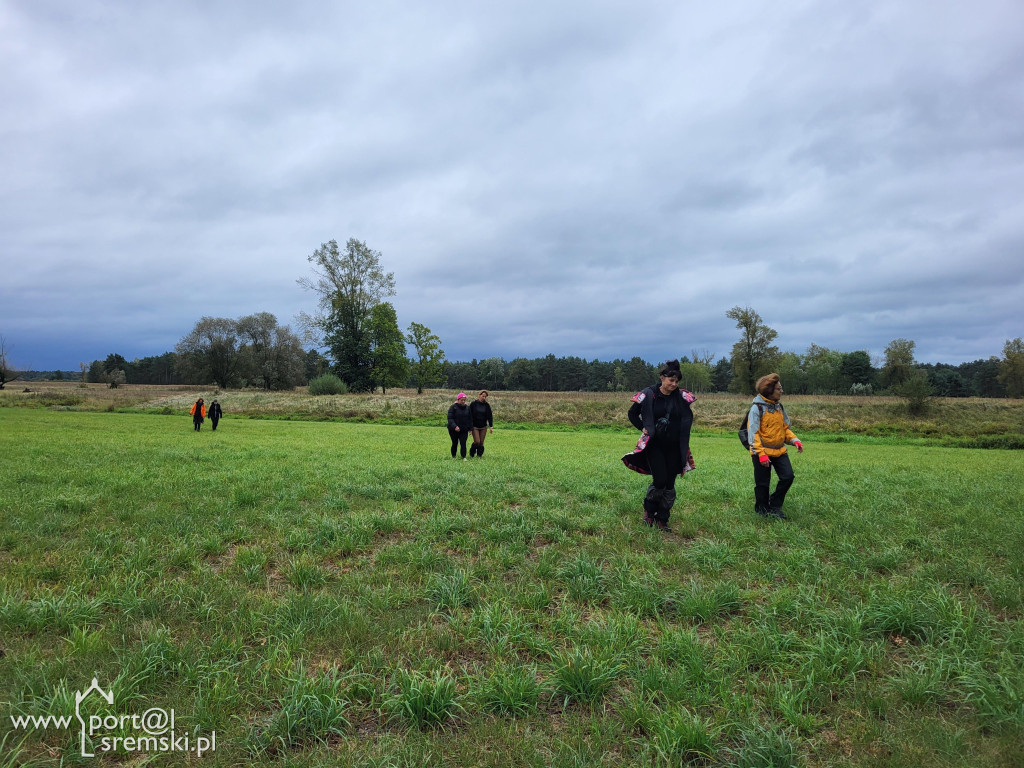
[584, 178]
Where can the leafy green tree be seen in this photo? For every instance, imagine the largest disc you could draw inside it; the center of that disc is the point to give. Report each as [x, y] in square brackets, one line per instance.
[96, 372]
[157, 369]
[899, 363]
[984, 377]
[349, 284]
[721, 375]
[210, 352]
[348, 341]
[572, 374]
[522, 375]
[1011, 369]
[753, 355]
[427, 365]
[492, 373]
[789, 366]
[915, 390]
[115, 363]
[315, 365]
[272, 355]
[823, 371]
[600, 376]
[547, 372]
[856, 368]
[638, 373]
[115, 378]
[389, 366]
[696, 377]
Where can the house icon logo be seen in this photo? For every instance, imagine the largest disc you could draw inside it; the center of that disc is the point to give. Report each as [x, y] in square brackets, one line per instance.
[81, 696]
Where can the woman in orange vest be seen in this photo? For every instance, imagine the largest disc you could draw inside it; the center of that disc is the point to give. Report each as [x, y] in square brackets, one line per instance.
[198, 413]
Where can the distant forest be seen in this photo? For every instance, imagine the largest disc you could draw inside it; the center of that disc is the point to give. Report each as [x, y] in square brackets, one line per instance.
[821, 371]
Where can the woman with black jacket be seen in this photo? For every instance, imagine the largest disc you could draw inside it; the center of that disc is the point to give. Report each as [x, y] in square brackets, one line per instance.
[663, 414]
[460, 424]
[483, 419]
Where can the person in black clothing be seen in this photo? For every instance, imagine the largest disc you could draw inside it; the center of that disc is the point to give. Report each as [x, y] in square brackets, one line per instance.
[662, 412]
[483, 419]
[198, 414]
[460, 424]
[215, 413]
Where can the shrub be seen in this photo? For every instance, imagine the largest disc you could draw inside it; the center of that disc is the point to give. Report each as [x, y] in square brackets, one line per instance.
[328, 384]
[916, 392]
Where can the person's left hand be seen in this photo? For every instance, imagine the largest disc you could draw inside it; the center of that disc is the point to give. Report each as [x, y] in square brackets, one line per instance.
[799, 446]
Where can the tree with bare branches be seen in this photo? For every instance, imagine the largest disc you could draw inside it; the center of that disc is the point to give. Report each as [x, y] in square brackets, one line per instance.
[8, 372]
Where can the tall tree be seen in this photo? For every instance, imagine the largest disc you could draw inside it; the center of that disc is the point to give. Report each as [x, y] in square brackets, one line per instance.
[1011, 368]
[272, 354]
[753, 355]
[427, 365]
[638, 374]
[348, 285]
[115, 362]
[522, 374]
[899, 363]
[856, 367]
[8, 372]
[823, 370]
[492, 373]
[210, 352]
[389, 366]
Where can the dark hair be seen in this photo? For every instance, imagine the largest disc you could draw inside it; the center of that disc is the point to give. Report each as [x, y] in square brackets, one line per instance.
[671, 368]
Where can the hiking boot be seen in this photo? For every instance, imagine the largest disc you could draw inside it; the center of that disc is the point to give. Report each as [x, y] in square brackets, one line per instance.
[663, 527]
[776, 512]
[648, 520]
[763, 511]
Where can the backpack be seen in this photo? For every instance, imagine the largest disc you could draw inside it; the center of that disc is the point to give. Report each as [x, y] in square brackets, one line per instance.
[744, 438]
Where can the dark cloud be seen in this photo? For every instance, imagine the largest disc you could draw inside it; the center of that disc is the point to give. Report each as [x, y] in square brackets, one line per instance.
[576, 178]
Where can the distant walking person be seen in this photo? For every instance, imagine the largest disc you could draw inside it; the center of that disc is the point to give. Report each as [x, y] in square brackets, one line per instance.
[198, 412]
[483, 419]
[460, 424]
[663, 414]
[768, 426]
[215, 414]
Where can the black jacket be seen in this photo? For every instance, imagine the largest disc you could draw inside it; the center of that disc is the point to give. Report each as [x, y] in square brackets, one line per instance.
[642, 415]
[215, 412]
[481, 412]
[458, 416]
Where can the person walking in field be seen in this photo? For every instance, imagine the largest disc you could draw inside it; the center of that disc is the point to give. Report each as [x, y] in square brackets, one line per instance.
[768, 427]
[483, 419]
[460, 424]
[662, 412]
[215, 414]
[198, 412]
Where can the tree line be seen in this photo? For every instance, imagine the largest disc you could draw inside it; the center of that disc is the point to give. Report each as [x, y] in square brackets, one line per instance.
[354, 338]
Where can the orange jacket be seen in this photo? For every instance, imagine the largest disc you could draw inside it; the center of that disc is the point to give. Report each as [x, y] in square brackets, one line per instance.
[770, 430]
[202, 410]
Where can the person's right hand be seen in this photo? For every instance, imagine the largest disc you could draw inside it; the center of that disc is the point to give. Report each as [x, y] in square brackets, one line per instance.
[765, 461]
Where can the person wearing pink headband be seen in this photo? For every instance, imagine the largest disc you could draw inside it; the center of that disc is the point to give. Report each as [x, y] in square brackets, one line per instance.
[460, 424]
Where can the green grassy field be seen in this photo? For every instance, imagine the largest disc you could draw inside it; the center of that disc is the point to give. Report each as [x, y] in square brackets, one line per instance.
[346, 594]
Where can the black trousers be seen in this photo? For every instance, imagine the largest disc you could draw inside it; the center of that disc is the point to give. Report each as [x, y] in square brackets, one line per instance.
[197, 423]
[459, 439]
[763, 500]
[213, 423]
[666, 462]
